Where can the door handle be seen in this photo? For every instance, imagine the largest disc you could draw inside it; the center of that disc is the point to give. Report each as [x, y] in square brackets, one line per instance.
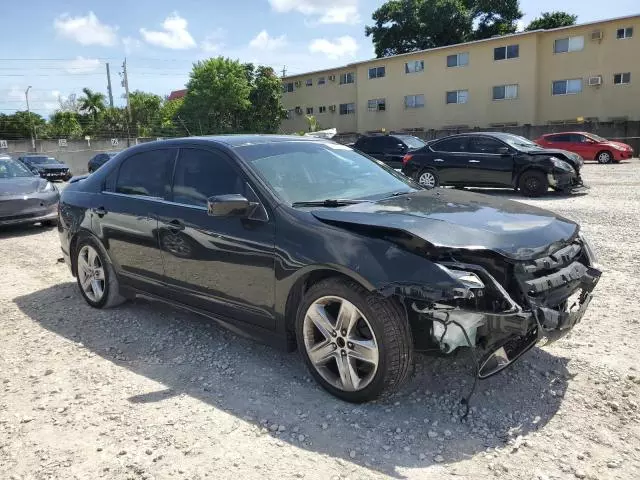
[438, 160]
[100, 211]
[474, 161]
[176, 226]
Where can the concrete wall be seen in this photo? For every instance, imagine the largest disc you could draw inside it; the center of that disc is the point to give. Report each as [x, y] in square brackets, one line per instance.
[76, 154]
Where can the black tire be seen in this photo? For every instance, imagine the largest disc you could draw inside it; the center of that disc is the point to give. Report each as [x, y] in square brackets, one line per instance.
[604, 157]
[431, 171]
[391, 329]
[533, 183]
[111, 297]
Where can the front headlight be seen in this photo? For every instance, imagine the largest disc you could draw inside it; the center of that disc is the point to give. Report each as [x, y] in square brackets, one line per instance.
[588, 250]
[561, 164]
[473, 284]
[619, 148]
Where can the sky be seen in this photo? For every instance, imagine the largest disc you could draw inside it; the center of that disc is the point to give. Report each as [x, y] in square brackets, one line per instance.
[58, 48]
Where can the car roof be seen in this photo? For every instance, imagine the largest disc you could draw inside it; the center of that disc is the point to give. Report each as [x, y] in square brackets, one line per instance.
[565, 133]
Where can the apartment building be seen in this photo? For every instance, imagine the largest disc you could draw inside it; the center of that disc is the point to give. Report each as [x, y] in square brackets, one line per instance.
[589, 71]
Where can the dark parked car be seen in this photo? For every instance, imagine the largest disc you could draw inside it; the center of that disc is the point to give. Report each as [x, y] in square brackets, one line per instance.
[100, 159]
[304, 242]
[47, 167]
[390, 149]
[25, 197]
[494, 160]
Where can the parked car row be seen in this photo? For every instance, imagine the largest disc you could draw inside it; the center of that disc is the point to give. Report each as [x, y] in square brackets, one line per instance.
[305, 243]
[46, 166]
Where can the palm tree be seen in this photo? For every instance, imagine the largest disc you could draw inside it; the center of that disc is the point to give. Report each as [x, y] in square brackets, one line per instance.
[92, 102]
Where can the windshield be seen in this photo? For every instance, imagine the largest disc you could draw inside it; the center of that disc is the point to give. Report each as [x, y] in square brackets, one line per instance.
[411, 141]
[12, 169]
[597, 138]
[299, 171]
[518, 142]
[40, 160]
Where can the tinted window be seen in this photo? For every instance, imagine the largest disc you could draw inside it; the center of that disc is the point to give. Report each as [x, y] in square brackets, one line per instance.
[377, 144]
[147, 173]
[560, 138]
[485, 145]
[457, 144]
[201, 174]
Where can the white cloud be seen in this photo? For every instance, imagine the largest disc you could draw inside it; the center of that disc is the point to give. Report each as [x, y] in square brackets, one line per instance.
[520, 26]
[55, 93]
[341, 47]
[214, 41]
[130, 44]
[175, 35]
[82, 65]
[263, 41]
[86, 30]
[326, 11]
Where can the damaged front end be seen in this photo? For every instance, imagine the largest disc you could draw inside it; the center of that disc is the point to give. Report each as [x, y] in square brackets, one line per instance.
[502, 308]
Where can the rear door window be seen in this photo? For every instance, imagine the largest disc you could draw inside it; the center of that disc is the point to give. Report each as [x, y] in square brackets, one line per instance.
[457, 144]
[147, 174]
[559, 138]
[485, 145]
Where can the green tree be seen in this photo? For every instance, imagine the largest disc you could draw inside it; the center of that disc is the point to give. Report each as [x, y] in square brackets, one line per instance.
[312, 123]
[169, 122]
[19, 125]
[266, 111]
[92, 103]
[217, 97]
[65, 125]
[403, 26]
[113, 123]
[145, 113]
[548, 20]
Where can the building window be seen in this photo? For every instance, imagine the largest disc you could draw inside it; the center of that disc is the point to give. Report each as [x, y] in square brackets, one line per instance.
[321, 81]
[622, 78]
[309, 110]
[505, 92]
[507, 52]
[309, 82]
[624, 33]
[347, 78]
[458, 96]
[376, 72]
[347, 108]
[287, 87]
[414, 67]
[322, 109]
[414, 101]
[569, 44]
[458, 60]
[377, 105]
[567, 87]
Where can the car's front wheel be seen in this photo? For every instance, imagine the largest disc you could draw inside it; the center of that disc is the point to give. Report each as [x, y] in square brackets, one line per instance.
[96, 278]
[604, 157]
[356, 344]
[533, 183]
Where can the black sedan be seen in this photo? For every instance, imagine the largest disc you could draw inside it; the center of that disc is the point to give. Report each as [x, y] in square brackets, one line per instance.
[47, 167]
[99, 159]
[306, 243]
[25, 197]
[494, 160]
[390, 149]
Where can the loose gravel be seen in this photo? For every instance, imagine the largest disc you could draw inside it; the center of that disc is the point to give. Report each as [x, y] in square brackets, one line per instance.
[149, 392]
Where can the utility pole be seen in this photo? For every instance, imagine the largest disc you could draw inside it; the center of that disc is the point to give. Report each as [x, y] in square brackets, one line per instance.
[26, 95]
[125, 84]
[284, 71]
[109, 87]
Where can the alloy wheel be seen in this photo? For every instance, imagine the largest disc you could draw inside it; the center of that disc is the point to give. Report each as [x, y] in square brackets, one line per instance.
[340, 343]
[604, 157]
[91, 273]
[427, 179]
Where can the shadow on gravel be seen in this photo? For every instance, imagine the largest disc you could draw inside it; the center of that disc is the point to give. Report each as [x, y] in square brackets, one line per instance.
[415, 428]
[16, 231]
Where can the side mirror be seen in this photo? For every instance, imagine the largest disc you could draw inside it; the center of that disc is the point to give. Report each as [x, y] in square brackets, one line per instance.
[504, 151]
[231, 205]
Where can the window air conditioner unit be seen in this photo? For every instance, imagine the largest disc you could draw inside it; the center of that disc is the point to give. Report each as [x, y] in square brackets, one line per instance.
[332, 108]
[595, 81]
[332, 78]
[299, 110]
[596, 35]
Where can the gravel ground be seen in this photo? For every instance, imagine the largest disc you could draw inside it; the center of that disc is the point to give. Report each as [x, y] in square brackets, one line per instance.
[145, 391]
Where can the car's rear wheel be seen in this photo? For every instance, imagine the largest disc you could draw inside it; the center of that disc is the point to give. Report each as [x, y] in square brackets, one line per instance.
[604, 157]
[533, 183]
[356, 344]
[428, 178]
[95, 275]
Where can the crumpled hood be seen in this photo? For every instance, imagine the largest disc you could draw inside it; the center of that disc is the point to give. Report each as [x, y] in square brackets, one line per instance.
[576, 160]
[20, 186]
[455, 219]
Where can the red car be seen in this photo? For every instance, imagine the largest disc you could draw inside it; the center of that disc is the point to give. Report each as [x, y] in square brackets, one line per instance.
[588, 146]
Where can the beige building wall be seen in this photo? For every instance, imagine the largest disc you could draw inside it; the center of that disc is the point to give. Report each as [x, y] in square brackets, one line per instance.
[533, 71]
